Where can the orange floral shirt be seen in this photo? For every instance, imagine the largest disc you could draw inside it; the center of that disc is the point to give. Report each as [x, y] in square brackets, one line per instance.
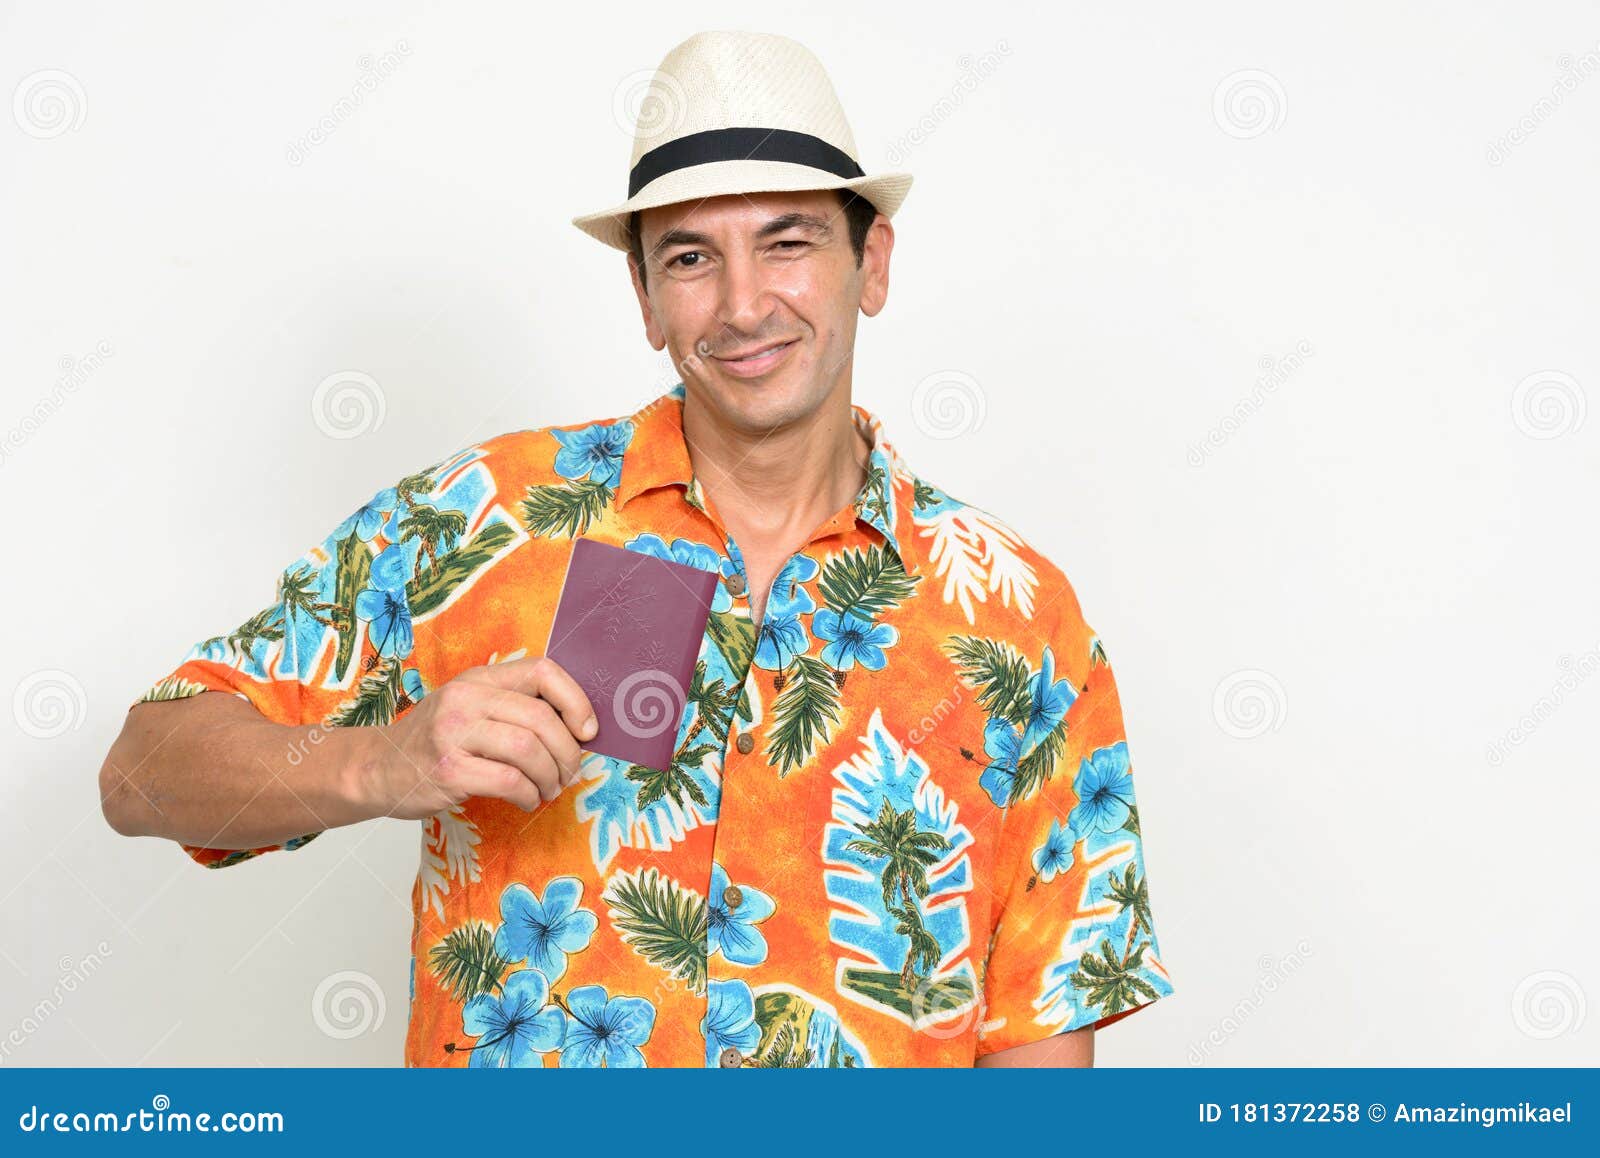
[899, 827]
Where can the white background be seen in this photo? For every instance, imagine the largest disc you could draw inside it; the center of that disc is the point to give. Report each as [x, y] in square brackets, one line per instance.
[1394, 545]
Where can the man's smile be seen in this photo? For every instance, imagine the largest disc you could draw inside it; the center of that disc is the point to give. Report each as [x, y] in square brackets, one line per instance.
[757, 360]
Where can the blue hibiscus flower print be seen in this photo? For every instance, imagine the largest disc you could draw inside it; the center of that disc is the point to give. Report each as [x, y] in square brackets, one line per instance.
[1055, 854]
[543, 933]
[595, 452]
[731, 928]
[730, 1020]
[1050, 699]
[515, 1026]
[690, 554]
[605, 1032]
[788, 596]
[782, 637]
[852, 640]
[1003, 744]
[1104, 785]
[384, 606]
[369, 517]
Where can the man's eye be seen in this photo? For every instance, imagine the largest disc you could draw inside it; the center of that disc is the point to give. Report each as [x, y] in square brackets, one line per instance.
[681, 256]
[792, 243]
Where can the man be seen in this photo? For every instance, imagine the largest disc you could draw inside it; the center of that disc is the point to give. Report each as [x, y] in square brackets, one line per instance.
[899, 825]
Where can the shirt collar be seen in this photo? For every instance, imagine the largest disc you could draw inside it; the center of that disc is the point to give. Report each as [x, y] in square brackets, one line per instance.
[657, 455]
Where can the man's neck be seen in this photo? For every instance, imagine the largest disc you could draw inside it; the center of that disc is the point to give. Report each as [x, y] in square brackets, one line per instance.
[777, 486]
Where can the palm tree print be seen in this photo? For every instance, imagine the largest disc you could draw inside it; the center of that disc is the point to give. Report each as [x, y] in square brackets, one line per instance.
[1112, 982]
[435, 528]
[907, 853]
[297, 591]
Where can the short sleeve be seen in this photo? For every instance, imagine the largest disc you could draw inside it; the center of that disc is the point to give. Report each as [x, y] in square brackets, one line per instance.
[335, 645]
[1074, 943]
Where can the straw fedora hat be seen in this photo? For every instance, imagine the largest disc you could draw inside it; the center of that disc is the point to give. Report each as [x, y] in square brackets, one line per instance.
[739, 112]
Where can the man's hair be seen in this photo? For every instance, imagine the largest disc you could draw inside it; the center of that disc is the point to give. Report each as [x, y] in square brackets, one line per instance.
[859, 213]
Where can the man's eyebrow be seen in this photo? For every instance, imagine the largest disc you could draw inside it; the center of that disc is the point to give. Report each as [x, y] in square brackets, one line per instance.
[792, 220]
[778, 224]
[679, 237]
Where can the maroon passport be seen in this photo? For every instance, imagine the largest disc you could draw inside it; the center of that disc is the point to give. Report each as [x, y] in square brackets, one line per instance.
[628, 628]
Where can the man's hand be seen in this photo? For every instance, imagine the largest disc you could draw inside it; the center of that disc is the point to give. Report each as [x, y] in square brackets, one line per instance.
[508, 730]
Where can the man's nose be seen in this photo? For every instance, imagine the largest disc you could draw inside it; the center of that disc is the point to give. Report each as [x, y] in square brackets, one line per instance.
[742, 291]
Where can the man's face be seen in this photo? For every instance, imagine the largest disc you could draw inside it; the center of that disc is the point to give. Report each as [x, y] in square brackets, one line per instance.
[765, 274]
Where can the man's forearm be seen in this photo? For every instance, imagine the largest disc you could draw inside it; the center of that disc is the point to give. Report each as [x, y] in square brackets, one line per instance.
[211, 772]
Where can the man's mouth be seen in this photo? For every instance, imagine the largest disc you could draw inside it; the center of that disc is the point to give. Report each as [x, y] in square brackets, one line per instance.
[757, 361]
[756, 353]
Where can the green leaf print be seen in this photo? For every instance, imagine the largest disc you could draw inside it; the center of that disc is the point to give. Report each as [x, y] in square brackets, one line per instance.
[355, 568]
[998, 671]
[809, 700]
[865, 583]
[376, 702]
[466, 961]
[564, 509]
[172, 689]
[663, 922]
[432, 586]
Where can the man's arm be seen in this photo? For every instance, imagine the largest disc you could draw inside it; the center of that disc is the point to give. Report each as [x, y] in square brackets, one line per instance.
[211, 771]
[1074, 1050]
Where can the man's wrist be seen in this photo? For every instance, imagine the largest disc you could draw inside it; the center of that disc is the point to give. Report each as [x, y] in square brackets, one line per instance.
[361, 772]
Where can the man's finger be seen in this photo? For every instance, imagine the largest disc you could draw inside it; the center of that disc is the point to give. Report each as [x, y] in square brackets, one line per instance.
[477, 776]
[539, 675]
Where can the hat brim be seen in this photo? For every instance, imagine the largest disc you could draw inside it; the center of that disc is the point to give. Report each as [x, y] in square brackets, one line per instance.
[886, 191]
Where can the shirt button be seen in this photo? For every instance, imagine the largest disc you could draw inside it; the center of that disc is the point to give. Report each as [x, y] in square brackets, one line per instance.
[730, 1057]
[733, 896]
[745, 743]
[734, 583]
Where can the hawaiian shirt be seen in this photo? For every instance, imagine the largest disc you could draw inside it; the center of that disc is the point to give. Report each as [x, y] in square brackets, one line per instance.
[899, 826]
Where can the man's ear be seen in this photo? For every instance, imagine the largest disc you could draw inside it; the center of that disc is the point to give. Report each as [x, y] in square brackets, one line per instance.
[875, 266]
[652, 332]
